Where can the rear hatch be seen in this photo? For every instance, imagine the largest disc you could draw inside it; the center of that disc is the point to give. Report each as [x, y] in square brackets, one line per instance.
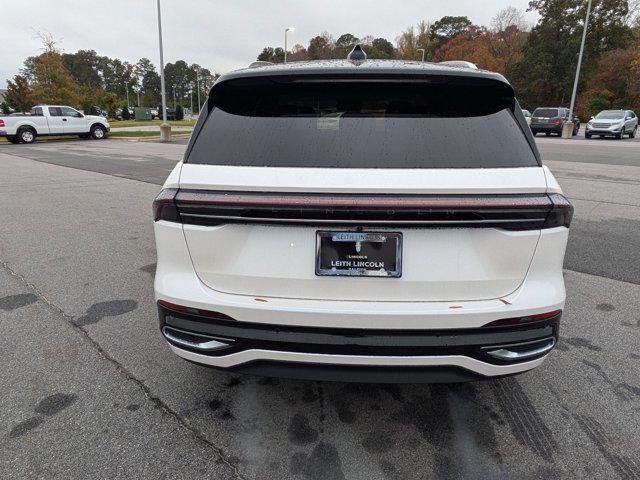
[545, 116]
[362, 189]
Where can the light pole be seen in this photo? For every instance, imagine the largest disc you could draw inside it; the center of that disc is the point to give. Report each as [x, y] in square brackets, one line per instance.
[165, 128]
[126, 86]
[174, 97]
[287, 30]
[191, 96]
[423, 51]
[566, 131]
[198, 82]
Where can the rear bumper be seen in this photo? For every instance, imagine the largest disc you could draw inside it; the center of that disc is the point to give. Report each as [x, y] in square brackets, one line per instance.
[536, 127]
[358, 354]
[350, 340]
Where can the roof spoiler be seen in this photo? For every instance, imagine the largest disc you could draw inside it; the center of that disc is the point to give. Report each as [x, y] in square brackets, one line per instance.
[459, 63]
[259, 63]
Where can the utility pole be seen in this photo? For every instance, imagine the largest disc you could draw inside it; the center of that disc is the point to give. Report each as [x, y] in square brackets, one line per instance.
[165, 128]
[566, 132]
[174, 97]
[126, 86]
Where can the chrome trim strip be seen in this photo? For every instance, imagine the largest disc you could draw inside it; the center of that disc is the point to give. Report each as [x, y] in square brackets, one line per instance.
[207, 345]
[468, 363]
[504, 353]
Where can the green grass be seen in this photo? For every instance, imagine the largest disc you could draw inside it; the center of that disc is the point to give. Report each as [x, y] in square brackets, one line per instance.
[133, 123]
[140, 133]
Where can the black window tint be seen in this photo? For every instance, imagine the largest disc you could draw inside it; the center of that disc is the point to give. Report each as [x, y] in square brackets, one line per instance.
[546, 112]
[36, 111]
[55, 111]
[258, 122]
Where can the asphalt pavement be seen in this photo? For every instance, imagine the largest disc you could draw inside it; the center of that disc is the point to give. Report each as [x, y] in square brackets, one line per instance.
[90, 389]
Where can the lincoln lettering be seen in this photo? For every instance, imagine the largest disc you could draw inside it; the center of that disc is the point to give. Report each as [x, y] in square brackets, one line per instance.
[356, 264]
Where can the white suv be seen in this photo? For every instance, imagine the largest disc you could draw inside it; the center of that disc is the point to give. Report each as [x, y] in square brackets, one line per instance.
[360, 221]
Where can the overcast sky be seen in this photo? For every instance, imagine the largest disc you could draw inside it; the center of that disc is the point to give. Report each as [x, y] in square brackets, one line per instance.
[218, 34]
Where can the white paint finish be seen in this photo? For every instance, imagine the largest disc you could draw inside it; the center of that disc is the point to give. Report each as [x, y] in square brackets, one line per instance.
[357, 180]
[542, 291]
[437, 264]
[468, 363]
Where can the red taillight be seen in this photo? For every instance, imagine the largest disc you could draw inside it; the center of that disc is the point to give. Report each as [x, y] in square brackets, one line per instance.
[193, 311]
[164, 207]
[522, 320]
[1, 123]
[561, 212]
[557, 121]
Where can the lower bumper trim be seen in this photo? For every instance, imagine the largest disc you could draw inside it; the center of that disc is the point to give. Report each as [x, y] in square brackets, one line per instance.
[280, 360]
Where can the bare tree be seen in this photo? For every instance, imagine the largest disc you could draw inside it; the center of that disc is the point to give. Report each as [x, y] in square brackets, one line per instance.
[508, 17]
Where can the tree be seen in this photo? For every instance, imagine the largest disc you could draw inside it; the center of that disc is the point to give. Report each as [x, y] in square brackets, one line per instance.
[344, 44]
[179, 77]
[4, 108]
[474, 45]
[18, 95]
[546, 71]
[321, 47]
[110, 102]
[448, 27]
[508, 17]
[84, 67]
[297, 54]
[273, 55]
[412, 39]
[615, 82]
[151, 88]
[179, 112]
[144, 70]
[380, 48]
[52, 81]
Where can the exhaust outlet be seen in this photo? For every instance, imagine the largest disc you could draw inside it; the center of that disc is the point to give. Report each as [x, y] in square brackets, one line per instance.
[193, 340]
[521, 351]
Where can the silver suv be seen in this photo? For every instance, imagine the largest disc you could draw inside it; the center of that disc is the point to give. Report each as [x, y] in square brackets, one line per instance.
[616, 123]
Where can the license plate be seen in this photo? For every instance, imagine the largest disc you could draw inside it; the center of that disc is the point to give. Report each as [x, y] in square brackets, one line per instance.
[359, 254]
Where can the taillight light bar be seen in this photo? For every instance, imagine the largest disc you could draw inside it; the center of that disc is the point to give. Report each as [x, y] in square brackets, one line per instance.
[193, 311]
[561, 212]
[1, 123]
[512, 212]
[164, 206]
[539, 317]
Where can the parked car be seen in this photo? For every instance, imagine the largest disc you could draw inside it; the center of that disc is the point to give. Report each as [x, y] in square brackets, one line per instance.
[52, 120]
[325, 223]
[171, 113]
[616, 123]
[527, 116]
[99, 111]
[132, 113]
[154, 113]
[550, 120]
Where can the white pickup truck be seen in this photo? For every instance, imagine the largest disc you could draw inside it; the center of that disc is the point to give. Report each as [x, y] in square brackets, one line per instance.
[52, 120]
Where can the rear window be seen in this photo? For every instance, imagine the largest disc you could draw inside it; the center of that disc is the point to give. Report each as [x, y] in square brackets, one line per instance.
[545, 112]
[362, 124]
